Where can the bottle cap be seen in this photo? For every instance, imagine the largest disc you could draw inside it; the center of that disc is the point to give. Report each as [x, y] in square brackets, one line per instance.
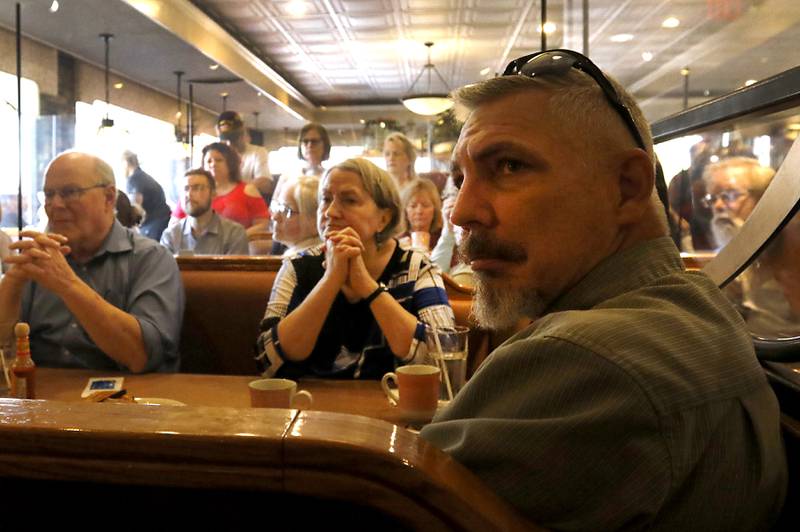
[21, 329]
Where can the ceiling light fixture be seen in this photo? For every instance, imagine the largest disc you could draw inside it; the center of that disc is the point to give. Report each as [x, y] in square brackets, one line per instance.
[428, 103]
[54, 6]
[107, 122]
[549, 28]
[297, 8]
[671, 22]
[118, 85]
[622, 37]
[750, 82]
[213, 67]
[647, 56]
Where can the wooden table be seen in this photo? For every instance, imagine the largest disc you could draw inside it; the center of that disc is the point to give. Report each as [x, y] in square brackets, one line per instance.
[364, 398]
[218, 449]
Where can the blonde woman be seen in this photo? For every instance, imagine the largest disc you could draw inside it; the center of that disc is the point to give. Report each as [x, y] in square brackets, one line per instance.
[400, 156]
[356, 306]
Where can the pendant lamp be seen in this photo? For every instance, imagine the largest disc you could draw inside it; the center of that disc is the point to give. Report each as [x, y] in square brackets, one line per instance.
[107, 122]
[428, 103]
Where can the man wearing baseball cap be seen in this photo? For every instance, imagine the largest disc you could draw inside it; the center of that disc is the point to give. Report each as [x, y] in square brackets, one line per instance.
[255, 159]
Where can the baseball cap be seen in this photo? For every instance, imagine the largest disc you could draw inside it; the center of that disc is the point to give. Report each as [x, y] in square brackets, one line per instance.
[229, 121]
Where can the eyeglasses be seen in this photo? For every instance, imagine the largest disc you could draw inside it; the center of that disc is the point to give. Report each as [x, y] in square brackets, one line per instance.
[727, 196]
[312, 142]
[69, 193]
[283, 209]
[559, 62]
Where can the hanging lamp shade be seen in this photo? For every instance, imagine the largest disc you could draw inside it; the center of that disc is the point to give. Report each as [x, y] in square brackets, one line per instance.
[428, 103]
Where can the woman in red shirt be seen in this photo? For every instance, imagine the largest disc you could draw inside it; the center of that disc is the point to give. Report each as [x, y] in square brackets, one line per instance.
[236, 200]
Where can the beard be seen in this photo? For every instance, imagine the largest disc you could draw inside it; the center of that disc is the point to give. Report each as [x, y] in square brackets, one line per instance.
[498, 303]
[198, 209]
[725, 228]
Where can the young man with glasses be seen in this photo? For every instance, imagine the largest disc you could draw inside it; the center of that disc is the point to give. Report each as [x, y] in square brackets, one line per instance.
[96, 295]
[633, 399]
[203, 231]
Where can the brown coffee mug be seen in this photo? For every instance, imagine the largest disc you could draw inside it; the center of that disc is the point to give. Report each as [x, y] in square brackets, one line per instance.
[417, 391]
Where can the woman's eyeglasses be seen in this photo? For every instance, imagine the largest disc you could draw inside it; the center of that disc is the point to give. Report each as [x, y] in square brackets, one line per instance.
[279, 208]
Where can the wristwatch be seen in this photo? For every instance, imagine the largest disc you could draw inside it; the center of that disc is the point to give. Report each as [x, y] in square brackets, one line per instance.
[378, 291]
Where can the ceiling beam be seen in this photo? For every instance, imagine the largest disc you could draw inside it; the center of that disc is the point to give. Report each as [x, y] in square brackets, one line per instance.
[190, 24]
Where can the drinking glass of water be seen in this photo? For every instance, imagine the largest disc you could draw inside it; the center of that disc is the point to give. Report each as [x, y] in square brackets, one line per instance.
[448, 347]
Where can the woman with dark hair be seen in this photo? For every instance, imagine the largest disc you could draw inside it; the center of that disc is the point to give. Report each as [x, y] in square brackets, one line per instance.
[357, 305]
[235, 200]
[313, 147]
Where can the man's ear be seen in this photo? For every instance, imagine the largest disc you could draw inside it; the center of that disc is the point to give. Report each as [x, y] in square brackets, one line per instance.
[636, 180]
[111, 196]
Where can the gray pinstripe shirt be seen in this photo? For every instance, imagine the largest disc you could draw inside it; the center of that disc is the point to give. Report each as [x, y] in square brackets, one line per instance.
[635, 403]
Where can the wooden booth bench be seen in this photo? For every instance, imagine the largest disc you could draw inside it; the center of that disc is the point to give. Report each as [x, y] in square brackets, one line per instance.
[225, 300]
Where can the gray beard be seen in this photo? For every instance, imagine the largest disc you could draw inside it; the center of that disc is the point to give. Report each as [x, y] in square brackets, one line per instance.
[724, 229]
[499, 306]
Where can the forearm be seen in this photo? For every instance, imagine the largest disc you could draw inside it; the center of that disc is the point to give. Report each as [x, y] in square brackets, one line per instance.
[299, 330]
[442, 253]
[397, 324]
[10, 301]
[260, 225]
[117, 333]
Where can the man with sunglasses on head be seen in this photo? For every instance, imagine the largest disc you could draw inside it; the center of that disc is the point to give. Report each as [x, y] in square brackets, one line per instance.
[633, 399]
[96, 295]
[203, 231]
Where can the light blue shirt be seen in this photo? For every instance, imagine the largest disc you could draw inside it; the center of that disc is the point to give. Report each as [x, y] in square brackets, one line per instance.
[221, 237]
[134, 274]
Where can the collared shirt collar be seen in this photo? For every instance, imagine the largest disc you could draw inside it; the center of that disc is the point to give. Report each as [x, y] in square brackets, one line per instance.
[615, 275]
[117, 241]
[214, 227]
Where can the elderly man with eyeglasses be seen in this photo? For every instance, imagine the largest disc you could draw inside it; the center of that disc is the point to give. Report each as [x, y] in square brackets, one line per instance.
[96, 295]
[633, 399]
[735, 185]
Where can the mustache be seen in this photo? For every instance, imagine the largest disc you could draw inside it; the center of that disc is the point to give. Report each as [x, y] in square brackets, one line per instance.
[476, 245]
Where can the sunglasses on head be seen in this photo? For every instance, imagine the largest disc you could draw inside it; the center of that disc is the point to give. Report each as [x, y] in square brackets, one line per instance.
[559, 62]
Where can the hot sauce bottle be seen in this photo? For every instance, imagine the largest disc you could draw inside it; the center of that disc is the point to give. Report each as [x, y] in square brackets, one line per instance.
[23, 370]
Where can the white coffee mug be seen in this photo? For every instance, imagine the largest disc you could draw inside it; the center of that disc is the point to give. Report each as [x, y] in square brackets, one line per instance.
[278, 393]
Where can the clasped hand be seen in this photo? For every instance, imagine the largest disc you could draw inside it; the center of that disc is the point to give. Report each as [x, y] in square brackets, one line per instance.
[344, 264]
[41, 259]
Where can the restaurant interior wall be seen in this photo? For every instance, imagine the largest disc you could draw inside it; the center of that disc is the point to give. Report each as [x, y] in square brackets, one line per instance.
[49, 88]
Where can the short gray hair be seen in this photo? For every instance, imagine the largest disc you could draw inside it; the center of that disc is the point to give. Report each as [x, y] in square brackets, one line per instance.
[104, 172]
[130, 158]
[581, 106]
[306, 194]
[579, 101]
[381, 188]
[758, 176]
